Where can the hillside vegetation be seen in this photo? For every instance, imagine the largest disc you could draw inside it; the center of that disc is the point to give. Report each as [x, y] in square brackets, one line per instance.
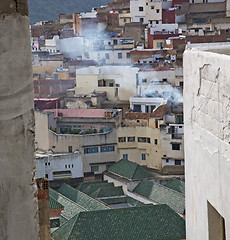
[50, 9]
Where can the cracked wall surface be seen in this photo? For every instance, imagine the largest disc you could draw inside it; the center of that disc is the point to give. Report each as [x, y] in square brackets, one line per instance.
[18, 205]
[207, 139]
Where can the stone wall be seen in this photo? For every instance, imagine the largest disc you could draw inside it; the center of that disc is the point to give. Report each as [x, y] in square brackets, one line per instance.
[18, 205]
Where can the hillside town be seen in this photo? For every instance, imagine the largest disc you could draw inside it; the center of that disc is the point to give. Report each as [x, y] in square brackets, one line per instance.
[112, 153]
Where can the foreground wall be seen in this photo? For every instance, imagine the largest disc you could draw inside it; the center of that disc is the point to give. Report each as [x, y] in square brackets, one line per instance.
[18, 206]
[207, 150]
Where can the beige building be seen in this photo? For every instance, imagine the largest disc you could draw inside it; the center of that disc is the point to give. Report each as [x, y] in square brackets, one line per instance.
[119, 82]
[139, 140]
[207, 150]
[98, 151]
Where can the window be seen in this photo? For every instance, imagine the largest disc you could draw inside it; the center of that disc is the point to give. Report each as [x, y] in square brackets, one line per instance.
[131, 139]
[65, 166]
[143, 156]
[72, 165]
[125, 156]
[69, 166]
[107, 56]
[147, 4]
[175, 146]
[70, 149]
[167, 160]
[111, 84]
[164, 79]
[108, 148]
[181, 84]
[49, 163]
[141, 9]
[157, 22]
[122, 139]
[144, 140]
[157, 10]
[144, 80]
[141, 20]
[94, 168]
[160, 44]
[119, 55]
[117, 85]
[90, 150]
[124, 20]
[115, 42]
[127, 55]
[177, 162]
[46, 175]
[152, 7]
[155, 141]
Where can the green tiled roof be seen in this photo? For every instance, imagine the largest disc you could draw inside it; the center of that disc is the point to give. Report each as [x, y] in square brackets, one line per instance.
[53, 204]
[133, 202]
[70, 208]
[95, 186]
[81, 198]
[108, 192]
[84, 185]
[161, 194]
[149, 222]
[177, 185]
[129, 170]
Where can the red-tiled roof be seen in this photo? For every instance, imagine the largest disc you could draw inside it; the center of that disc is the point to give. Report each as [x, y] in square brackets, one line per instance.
[85, 113]
[159, 112]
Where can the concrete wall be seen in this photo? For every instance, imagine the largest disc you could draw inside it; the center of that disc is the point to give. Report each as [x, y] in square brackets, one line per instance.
[207, 150]
[18, 204]
[62, 162]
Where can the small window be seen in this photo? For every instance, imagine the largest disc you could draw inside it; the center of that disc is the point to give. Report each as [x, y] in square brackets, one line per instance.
[65, 166]
[144, 80]
[70, 149]
[72, 165]
[122, 139]
[147, 4]
[119, 55]
[125, 156]
[175, 146]
[141, 9]
[150, 22]
[152, 7]
[47, 175]
[157, 22]
[127, 55]
[155, 141]
[49, 163]
[177, 162]
[131, 139]
[53, 147]
[111, 84]
[164, 79]
[143, 156]
[117, 85]
[107, 56]
[90, 150]
[46, 164]
[94, 168]
[141, 20]
[157, 10]
[138, 120]
[167, 160]
[108, 148]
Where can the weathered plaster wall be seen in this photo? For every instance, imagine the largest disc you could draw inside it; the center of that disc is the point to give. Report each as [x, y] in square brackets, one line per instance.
[207, 131]
[18, 206]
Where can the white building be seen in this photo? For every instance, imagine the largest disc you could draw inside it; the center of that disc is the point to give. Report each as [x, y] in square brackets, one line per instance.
[146, 104]
[52, 45]
[59, 166]
[111, 50]
[207, 149]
